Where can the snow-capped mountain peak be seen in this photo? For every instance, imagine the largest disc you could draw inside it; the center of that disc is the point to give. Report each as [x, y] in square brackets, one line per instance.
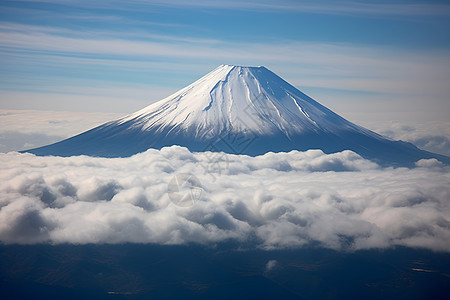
[239, 110]
[237, 98]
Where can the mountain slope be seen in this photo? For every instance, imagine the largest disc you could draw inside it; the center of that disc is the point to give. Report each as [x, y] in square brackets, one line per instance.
[240, 110]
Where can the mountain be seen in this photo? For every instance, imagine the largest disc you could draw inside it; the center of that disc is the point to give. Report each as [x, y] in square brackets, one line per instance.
[238, 110]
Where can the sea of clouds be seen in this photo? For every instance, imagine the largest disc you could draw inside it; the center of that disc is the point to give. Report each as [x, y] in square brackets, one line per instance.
[277, 200]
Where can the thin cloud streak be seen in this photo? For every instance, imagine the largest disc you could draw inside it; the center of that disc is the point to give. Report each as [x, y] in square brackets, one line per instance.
[383, 70]
[60, 123]
[324, 7]
[91, 34]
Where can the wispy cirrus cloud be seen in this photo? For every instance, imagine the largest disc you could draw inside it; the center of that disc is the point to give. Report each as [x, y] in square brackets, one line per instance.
[389, 71]
[325, 7]
[321, 58]
[364, 8]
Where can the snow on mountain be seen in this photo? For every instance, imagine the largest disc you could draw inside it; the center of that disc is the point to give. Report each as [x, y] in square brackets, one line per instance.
[239, 110]
[239, 99]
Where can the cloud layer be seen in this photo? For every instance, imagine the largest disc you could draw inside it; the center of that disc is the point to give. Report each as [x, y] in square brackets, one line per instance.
[283, 200]
[431, 136]
[25, 129]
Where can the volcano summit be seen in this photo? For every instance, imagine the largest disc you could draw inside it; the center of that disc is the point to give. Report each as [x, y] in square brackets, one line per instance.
[238, 110]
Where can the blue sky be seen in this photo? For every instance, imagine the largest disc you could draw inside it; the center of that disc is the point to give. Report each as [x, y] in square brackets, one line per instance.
[364, 59]
[66, 66]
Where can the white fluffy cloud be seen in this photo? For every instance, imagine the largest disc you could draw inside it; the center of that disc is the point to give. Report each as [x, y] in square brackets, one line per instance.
[294, 199]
